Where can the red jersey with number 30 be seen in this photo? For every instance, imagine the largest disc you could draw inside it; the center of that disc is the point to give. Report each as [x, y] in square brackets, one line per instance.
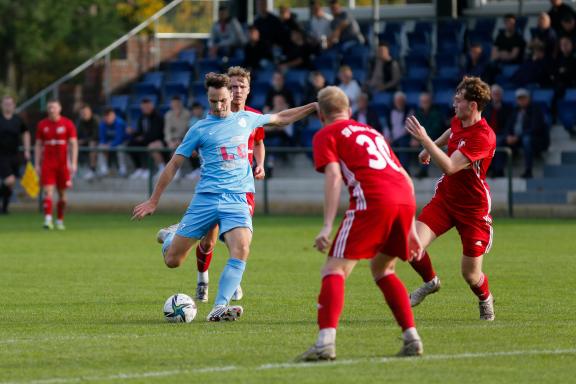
[55, 136]
[257, 135]
[467, 189]
[370, 169]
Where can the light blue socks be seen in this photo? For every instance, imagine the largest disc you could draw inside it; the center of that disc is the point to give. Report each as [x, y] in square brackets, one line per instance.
[229, 280]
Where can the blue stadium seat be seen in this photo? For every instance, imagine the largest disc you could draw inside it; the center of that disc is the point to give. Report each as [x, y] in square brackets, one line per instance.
[188, 56]
[384, 98]
[138, 98]
[198, 89]
[445, 83]
[329, 75]
[449, 72]
[205, 66]
[415, 72]
[178, 66]
[324, 62]
[150, 84]
[446, 61]
[413, 85]
[423, 27]
[543, 97]
[412, 99]
[170, 93]
[443, 98]
[119, 103]
[360, 75]
[417, 60]
[257, 99]
[298, 76]
[509, 96]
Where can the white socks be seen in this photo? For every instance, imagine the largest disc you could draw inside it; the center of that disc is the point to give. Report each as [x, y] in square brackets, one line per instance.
[326, 336]
[203, 277]
[410, 334]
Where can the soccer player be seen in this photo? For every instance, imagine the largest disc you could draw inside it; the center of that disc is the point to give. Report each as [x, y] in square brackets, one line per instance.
[53, 162]
[221, 194]
[11, 129]
[378, 225]
[240, 83]
[462, 197]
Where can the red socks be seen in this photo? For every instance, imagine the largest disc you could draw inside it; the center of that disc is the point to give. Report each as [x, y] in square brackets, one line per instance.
[398, 300]
[330, 301]
[61, 207]
[481, 289]
[424, 267]
[47, 206]
[203, 259]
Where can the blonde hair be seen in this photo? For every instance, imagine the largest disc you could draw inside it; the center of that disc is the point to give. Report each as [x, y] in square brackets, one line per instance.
[238, 71]
[332, 100]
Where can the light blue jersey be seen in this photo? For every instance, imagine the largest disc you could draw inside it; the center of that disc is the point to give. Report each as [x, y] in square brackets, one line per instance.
[223, 147]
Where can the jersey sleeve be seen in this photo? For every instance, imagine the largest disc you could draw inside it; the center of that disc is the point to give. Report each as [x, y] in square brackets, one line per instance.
[257, 120]
[190, 142]
[259, 135]
[477, 147]
[325, 150]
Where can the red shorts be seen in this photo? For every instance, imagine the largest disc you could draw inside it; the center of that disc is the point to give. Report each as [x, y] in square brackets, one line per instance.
[55, 175]
[475, 230]
[251, 202]
[364, 234]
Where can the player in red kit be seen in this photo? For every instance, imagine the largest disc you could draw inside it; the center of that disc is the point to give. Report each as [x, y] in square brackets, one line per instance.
[53, 163]
[378, 225]
[462, 197]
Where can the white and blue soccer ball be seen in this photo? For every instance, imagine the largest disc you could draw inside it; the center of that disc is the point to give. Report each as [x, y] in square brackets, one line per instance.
[180, 308]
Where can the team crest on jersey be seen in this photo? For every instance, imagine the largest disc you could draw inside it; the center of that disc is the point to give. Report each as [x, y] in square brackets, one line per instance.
[461, 144]
[242, 122]
[60, 130]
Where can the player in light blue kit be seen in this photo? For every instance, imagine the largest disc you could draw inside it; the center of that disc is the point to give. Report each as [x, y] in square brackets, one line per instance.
[226, 177]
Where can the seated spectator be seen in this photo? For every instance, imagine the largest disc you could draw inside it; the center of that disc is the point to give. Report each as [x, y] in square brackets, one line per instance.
[149, 133]
[385, 74]
[316, 83]
[345, 29]
[297, 52]
[288, 23]
[319, 28]
[278, 136]
[564, 69]
[278, 88]
[432, 119]
[112, 132]
[88, 137]
[509, 45]
[176, 123]
[397, 135]
[226, 34]
[496, 114]
[257, 53]
[557, 12]
[366, 115]
[198, 114]
[268, 24]
[476, 63]
[545, 34]
[568, 28]
[535, 70]
[350, 86]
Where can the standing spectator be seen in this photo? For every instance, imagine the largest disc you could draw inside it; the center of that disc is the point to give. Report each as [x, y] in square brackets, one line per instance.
[476, 62]
[545, 34]
[568, 27]
[278, 88]
[564, 72]
[257, 53]
[397, 135]
[319, 28]
[509, 44]
[268, 24]
[12, 128]
[535, 70]
[112, 136]
[350, 86]
[176, 123]
[385, 74]
[297, 52]
[365, 114]
[557, 12]
[345, 29]
[226, 34]
[316, 83]
[288, 23]
[88, 137]
[149, 133]
[430, 117]
[53, 134]
[496, 114]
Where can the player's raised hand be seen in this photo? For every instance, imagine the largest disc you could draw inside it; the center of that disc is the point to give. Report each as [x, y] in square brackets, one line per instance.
[143, 209]
[322, 241]
[415, 129]
[259, 172]
[424, 157]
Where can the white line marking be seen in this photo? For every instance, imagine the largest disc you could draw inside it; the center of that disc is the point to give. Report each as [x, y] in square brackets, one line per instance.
[264, 367]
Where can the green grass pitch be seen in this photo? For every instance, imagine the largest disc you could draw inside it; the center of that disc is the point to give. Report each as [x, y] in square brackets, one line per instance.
[85, 305]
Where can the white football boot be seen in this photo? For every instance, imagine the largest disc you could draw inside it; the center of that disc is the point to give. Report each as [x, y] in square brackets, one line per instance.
[161, 235]
[325, 352]
[487, 309]
[225, 313]
[424, 290]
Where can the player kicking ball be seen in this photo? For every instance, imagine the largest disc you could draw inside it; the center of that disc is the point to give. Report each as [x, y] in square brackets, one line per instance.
[378, 225]
[221, 194]
[462, 197]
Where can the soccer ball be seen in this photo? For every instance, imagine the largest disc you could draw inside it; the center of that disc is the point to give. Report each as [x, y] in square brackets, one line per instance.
[180, 308]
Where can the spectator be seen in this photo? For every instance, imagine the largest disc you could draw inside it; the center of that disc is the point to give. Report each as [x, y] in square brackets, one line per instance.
[226, 34]
[350, 86]
[564, 73]
[397, 135]
[496, 114]
[257, 53]
[279, 136]
[149, 133]
[287, 21]
[316, 83]
[88, 137]
[476, 63]
[112, 134]
[509, 44]
[345, 29]
[385, 74]
[297, 52]
[176, 123]
[527, 129]
[319, 28]
[268, 24]
[568, 27]
[198, 114]
[278, 88]
[365, 114]
[535, 70]
[432, 119]
[545, 34]
[557, 12]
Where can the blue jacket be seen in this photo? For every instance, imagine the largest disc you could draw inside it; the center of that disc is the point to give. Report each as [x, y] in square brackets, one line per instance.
[113, 134]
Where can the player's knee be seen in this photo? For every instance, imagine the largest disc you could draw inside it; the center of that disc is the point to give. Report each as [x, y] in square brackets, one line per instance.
[207, 244]
[470, 277]
[172, 261]
[240, 251]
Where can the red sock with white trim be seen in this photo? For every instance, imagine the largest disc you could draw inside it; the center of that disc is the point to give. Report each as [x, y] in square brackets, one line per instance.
[481, 289]
[330, 301]
[398, 300]
[60, 209]
[424, 267]
[47, 204]
[203, 258]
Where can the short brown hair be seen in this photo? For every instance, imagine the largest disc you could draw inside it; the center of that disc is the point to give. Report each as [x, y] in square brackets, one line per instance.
[238, 71]
[332, 100]
[474, 89]
[216, 80]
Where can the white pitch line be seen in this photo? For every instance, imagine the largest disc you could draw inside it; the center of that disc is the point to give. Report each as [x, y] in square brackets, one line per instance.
[264, 367]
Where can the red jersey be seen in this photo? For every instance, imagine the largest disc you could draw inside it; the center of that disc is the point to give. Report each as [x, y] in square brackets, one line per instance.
[467, 189]
[257, 135]
[370, 169]
[54, 136]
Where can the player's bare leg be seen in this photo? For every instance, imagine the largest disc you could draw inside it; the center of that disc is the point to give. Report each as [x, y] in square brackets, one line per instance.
[424, 267]
[330, 305]
[396, 296]
[478, 282]
[47, 206]
[61, 207]
[204, 252]
[238, 242]
[175, 249]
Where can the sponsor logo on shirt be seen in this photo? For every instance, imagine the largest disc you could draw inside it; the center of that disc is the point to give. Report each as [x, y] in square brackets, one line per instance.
[461, 144]
[60, 130]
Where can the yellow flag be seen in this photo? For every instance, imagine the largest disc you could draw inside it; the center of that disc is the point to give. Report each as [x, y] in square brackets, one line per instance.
[29, 181]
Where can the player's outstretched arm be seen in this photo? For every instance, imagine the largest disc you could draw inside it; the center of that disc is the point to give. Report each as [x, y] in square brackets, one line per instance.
[332, 190]
[292, 115]
[442, 141]
[149, 206]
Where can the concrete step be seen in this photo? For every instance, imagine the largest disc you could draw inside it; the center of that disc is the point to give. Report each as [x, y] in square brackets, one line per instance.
[568, 157]
[536, 197]
[564, 171]
[551, 184]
